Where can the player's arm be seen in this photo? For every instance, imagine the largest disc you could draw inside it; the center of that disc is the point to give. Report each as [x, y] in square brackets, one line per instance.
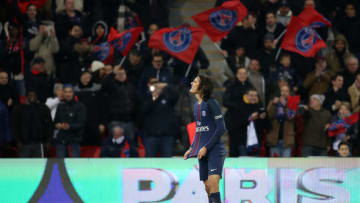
[215, 110]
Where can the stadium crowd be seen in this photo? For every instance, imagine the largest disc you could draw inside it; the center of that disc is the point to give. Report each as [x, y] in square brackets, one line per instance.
[61, 84]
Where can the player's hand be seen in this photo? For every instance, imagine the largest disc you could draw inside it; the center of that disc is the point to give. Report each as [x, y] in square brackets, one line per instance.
[202, 153]
[187, 153]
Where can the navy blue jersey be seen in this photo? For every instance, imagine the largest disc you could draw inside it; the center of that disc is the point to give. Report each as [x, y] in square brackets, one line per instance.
[210, 126]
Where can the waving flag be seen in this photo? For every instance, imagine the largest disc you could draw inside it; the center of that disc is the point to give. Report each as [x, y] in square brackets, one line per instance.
[311, 17]
[23, 4]
[301, 36]
[219, 21]
[181, 42]
[293, 105]
[124, 41]
[340, 126]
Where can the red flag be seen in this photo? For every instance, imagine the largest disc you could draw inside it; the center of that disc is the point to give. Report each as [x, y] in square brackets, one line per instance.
[219, 21]
[293, 102]
[191, 129]
[25, 3]
[351, 120]
[181, 42]
[340, 126]
[301, 38]
[311, 17]
[124, 41]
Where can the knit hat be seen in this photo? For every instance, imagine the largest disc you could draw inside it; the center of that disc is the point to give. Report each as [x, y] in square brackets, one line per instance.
[96, 65]
[319, 97]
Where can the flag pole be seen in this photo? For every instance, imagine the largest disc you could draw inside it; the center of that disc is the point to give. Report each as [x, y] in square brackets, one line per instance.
[188, 70]
[277, 40]
[277, 54]
[282, 34]
[122, 61]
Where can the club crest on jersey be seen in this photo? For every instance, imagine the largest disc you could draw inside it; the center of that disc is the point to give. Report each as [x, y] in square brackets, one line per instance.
[306, 38]
[223, 20]
[178, 40]
[203, 113]
[121, 43]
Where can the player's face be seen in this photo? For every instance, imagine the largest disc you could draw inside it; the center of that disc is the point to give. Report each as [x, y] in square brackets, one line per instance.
[195, 85]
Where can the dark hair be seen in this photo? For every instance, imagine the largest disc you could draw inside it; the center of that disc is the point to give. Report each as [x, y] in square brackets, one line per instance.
[270, 12]
[336, 76]
[343, 143]
[205, 87]
[251, 89]
[157, 55]
[134, 52]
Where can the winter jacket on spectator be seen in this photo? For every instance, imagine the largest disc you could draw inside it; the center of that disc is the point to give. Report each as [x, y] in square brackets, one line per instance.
[101, 48]
[110, 148]
[314, 128]
[317, 84]
[5, 135]
[233, 99]
[159, 114]
[287, 127]
[331, 97]
[289, 74]
[45, 45]
[241, 37]
[64, 22]
[73, 113]
[354, 93]
[350, 27]
[122, 103]
[163, 75]
[349, 78]
[235, 62]
[134, 67]
[257, 80]
[266, 59]
[8, 92]
[336, 58]
[32, 123]
[41, 83]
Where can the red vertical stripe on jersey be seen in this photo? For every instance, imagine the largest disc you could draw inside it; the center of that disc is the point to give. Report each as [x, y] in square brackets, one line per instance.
[198, 136]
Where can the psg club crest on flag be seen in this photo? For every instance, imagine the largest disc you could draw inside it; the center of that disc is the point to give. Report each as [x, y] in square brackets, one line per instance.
[181, 42]
[223, 20]
[306, 38]
[178, 40]
[121, 43]
[124, 41]
[219, 21]
[102, 51]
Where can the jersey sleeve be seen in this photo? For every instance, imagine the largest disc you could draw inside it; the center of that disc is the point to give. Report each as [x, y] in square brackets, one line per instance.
[216, 114]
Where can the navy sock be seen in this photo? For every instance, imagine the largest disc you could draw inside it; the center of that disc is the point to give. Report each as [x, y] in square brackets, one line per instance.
[215, 197]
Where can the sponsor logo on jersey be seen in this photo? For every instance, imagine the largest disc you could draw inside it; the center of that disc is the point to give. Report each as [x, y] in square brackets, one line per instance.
[202, 129]
[218, 117]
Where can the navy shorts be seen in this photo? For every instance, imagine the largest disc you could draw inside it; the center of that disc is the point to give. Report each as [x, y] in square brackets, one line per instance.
[211, 165]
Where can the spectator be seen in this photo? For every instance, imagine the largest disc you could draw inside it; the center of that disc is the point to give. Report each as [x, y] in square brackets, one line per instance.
[108, 69]
[354, 92]
[251, 112]
[284, 13]
[160, 126]
[70, 120]
[179, 68]
[344, 150]
[134, 66]
[350, 27]
[31, 126]
[316, 118]
[281, 137]
[45, 45]
[8, 95]
[88, 93]
[336, 95]
[145, 50]
[337, 56]
[122, 104]
[66, 18]
[285, 71]
[158, 70]
[101, 48]
[334, 128]
[237, 59]
[75, 56]
[233, 100]
[53, 102]
[242, 35]
[5, 133]
[318, 81]
[152, 11]
[31, 22]
[257, 80]
[352, 68]
[39, 80]
[266, 55]
[116, 144]
[271, 25]
[98, 72]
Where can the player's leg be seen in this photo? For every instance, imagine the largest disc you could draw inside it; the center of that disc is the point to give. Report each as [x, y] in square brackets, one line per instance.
[203, 172]
[213, 184]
